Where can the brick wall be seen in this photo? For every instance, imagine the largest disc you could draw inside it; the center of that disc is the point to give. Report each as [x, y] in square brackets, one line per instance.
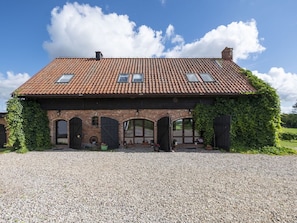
[120, 115]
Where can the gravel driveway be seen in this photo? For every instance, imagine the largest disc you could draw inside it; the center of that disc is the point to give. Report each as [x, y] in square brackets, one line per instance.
[126, 186]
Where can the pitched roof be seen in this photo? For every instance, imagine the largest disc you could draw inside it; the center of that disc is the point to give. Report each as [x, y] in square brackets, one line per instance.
[162, 76]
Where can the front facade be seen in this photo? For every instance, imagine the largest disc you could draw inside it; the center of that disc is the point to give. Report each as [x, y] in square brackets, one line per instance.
[130, 101]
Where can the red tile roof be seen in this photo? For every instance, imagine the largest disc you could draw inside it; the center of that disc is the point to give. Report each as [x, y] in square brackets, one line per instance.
[162, 76]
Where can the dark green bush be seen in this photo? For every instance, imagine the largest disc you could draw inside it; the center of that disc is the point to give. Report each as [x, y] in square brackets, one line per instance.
[287, 136]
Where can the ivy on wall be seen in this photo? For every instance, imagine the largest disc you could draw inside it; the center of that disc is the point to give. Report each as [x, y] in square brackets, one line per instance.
[14, 120]
[28, 125]
[255, 117]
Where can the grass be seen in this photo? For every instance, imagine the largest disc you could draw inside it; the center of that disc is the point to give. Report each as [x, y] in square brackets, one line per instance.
[289, 130]
[289, 143]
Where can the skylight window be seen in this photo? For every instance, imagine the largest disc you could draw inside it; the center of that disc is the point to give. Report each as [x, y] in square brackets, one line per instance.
[65, 78]
[192, 77]
[123, 78]
[137, 78]
[207, 77]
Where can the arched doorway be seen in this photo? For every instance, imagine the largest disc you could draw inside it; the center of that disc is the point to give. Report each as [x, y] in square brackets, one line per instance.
[138, 131]
[75, 133]
[164, 133]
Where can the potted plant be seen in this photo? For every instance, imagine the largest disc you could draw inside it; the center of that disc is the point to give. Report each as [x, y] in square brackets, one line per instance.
[104, 146]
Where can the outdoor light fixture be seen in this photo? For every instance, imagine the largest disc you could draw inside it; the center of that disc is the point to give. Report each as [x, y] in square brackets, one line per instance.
[190, 111]
[59, 112]
[137, 111]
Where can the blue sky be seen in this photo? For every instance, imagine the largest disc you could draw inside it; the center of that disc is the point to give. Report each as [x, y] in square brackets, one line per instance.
[263, 34]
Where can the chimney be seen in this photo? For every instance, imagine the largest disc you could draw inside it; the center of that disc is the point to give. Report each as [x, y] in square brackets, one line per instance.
[227, 53]
[99, 55]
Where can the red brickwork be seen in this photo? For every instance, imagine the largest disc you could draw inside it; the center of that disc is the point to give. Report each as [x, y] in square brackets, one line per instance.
[120, 115]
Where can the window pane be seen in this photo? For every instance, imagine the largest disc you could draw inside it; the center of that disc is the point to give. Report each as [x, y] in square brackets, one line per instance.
[178, 128]
[179, 140]
[206, 77]
[128, 129]
[188, 140]
[95, 120]
[65, 78]
[61, 132]
[137, 78]
[148, 128]
[123, 78]
[138, 127]
[192, 77]
[188, 127]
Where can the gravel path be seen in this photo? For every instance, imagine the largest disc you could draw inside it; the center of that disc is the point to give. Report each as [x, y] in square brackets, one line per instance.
[125, 186]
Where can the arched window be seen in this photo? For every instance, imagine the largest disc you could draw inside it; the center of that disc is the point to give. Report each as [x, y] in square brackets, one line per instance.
[184, 131]
[138, 131]
[95, 121]
[61, 132]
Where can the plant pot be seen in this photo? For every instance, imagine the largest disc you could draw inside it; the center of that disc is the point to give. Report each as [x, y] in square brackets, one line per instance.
[104, 147]
[209, 147]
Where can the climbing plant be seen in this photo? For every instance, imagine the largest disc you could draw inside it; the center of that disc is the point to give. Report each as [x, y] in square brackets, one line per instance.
[28, 125]
[16, 138]
[255, 117]
[36, 126]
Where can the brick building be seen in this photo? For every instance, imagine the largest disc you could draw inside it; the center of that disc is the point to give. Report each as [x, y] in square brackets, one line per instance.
[131, 100]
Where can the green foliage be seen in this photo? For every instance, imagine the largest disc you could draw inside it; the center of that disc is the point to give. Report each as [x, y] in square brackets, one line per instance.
[287, 136]
[28, 126]
[14, 119]
[289, 120]
[269, 150]
[204, 116]
[36, 126]
[255, 117]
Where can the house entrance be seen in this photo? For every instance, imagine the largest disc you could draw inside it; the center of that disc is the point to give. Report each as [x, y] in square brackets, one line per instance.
[75, 130]
[163, 136]
[222, 132]
[138, 131]
[110, 132]
[2, 136]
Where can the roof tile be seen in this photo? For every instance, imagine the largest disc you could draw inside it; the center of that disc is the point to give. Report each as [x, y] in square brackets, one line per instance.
[162, 76]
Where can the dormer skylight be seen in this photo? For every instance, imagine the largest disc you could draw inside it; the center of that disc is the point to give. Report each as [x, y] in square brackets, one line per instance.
[137, 78]
[206, 77]
[123, 78]
[65, 78]
[192, 77]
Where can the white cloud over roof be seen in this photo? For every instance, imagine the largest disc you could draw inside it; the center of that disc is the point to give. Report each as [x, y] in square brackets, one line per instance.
[80, 30]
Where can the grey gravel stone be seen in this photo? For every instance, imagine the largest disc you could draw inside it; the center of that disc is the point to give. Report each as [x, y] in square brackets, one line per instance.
[136, 186]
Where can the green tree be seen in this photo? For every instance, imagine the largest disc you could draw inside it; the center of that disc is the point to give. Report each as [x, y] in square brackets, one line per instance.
[294, 108]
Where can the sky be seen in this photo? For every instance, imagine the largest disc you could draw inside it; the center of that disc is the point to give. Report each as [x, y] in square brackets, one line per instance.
[262, 33]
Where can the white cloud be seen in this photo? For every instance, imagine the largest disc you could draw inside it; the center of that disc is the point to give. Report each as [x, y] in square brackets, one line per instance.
[80, 30]
[8, 83]
[241, 36]
[285, 84]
